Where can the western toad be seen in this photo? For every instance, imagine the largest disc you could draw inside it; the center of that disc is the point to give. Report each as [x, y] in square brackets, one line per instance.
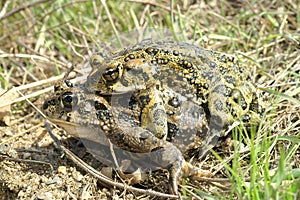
[212, 80]
[92, 118]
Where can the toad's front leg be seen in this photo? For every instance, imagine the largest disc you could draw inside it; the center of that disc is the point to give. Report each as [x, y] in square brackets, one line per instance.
[154, 116]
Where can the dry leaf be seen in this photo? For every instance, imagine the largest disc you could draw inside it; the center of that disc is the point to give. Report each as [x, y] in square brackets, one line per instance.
[5, 108]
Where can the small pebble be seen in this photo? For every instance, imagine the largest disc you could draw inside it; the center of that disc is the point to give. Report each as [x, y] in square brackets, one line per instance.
[62, 170]
[44, 196]
[77, 176]
[26, 155]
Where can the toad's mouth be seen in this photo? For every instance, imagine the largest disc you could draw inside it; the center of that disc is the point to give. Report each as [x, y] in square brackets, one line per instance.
[75, 129]
[88, 132]
[70, 127]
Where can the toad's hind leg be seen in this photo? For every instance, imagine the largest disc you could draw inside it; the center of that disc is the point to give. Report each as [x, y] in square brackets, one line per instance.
[168, 155]
[219, 118]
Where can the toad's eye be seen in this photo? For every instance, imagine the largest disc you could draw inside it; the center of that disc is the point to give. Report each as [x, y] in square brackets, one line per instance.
[69, 100]
[111, 74]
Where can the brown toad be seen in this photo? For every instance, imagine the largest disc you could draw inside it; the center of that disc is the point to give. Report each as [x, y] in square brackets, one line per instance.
[212, 80]
[91, 118]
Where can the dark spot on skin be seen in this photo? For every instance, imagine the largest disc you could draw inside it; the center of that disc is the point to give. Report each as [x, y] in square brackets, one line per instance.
[145, 99]
[228, 91]
[229, 79]
[223, 70]
[186, 64]
[159, 61]
[103, 115]
[151, 51]
[52, 102]
[223, 59]
[238, 98]
[145, 77]
[241, 69]
[125, 100]
[156, 149]
[176, 53]
[155, 76]
[236, 95]
[143, 56]
[218, 105]
[246, 118]
[153, 62]
[172, 130]
[243, 103]
[212, 65]
[100, 106]
[154, 106]
[215, 138]
[253, 107]
[120, 137]
[165, 61]
[68, 83]
[131, 56]
[68, 118]
[233, 111]
[56, 88]
[174, 102]
[128, 118]
[166, 51]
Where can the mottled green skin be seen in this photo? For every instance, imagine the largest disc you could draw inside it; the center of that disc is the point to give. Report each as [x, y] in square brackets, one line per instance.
[149, 70]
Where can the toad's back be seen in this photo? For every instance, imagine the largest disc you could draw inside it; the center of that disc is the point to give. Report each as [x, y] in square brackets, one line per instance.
[213, 80]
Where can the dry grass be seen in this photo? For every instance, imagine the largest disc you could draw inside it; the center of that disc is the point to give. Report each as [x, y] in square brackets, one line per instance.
[40, 40]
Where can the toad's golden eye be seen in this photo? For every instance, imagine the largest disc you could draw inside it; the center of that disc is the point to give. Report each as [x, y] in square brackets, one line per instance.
[111, 74]
[69, 100]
